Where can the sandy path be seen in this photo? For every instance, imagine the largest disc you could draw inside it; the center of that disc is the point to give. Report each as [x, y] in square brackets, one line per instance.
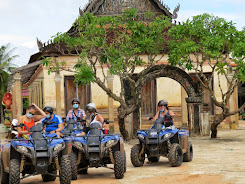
[220, 161]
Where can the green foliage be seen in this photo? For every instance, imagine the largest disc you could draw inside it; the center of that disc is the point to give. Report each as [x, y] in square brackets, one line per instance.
[53, 66]
[6, 66]
[25, 103]
[209, 39]
[114, 41]
[84, 74]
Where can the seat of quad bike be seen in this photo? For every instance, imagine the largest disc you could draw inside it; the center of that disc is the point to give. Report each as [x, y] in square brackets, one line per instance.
[69, 127]
[37, 137]
[94, 135]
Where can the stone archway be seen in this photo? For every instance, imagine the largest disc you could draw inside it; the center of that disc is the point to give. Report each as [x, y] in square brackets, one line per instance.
[193, 90]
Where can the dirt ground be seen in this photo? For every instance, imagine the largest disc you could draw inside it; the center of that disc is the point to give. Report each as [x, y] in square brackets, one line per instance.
[219, 161]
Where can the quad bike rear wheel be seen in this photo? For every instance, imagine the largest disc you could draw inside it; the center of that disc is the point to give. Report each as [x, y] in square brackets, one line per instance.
[175, 155]
[119, 167]
[14, 171]
[73, 159]
[65, 170]
[137, 159]
[52, 170]
[187, 157]
[153, 159]
[4, 177]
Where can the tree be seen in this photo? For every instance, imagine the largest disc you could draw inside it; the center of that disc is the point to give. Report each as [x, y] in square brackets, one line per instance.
[6, 66]
[210, 41]
[115, 44]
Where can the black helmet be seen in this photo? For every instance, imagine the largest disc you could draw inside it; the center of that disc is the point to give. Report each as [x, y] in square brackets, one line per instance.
[91, 107]
[75, 100]
[162, 103]
[48, 109]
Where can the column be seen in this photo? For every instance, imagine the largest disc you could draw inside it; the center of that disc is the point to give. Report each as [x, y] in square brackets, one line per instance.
[17, 96]
[57, 79]
[184, 114]
[233, 105]
[110, 79]
[194, 115]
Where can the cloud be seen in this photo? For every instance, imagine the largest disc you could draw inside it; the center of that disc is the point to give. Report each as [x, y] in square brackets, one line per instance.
[18, 40]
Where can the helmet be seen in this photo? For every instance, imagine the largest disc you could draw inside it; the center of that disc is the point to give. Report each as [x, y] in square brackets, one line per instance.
[91, 107]
[162, 103]
[75, 100]
[48, 109]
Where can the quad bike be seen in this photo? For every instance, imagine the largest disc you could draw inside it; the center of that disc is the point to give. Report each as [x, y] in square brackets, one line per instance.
[39, 154]
[164, 141]
[97, 150]
[12, 133]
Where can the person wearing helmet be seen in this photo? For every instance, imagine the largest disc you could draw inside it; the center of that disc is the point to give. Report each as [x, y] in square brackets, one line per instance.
[76, 113]
[94, 117]
[29, 120]
[57, 123]
[164, 112]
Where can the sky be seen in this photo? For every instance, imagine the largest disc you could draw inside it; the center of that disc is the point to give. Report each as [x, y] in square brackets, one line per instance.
[22, 22]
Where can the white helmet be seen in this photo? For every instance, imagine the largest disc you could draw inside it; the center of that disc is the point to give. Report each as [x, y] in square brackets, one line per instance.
[91, 107]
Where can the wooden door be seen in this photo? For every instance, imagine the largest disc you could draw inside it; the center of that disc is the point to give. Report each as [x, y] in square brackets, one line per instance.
[84, 93]
[149, 93]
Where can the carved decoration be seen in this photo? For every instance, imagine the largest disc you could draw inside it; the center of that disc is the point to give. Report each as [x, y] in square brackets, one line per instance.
[175, 15]
[39, 44]
[109, 7]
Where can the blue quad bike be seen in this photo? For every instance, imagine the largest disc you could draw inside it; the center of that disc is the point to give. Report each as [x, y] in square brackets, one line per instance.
[162, 140]
[72, 129]
[40, 154]
[98, 150]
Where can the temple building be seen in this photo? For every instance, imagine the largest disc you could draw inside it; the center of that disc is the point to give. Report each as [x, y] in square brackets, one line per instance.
[58, 89]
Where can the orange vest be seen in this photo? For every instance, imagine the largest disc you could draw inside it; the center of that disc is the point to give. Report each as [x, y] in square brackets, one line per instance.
[28, 125]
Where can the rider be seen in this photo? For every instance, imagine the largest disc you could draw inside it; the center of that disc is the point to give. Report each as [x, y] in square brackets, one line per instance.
[29, 120]
[94, 117]
[76, 113]
[56, 125]
[164, 112]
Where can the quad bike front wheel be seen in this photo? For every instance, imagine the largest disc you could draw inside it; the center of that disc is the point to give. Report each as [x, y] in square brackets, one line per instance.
[4, 177]
[14, 171]
[82, 169]
[175, 155]
[187, 157]
[137, 159]
[153, 159]
[73, 159]
[52, 170]
[119, 167]
[125, 162]
[65, 170]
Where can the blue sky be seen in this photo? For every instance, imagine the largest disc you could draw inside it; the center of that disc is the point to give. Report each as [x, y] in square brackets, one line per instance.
[22, 21]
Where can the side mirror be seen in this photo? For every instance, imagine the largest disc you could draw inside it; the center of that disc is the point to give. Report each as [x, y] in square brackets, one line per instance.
[14, 122]
[106, 121]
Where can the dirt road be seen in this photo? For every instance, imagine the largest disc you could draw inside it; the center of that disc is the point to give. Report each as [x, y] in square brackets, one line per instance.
[220, 161]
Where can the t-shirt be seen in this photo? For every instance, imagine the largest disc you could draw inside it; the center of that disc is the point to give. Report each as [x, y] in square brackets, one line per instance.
[57, 119]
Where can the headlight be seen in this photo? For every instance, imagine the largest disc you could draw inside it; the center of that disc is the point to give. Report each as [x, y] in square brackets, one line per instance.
[57, 147]
[77, 145]
[110, 143]
[141, 137]
[167, 135]
[22, 149]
